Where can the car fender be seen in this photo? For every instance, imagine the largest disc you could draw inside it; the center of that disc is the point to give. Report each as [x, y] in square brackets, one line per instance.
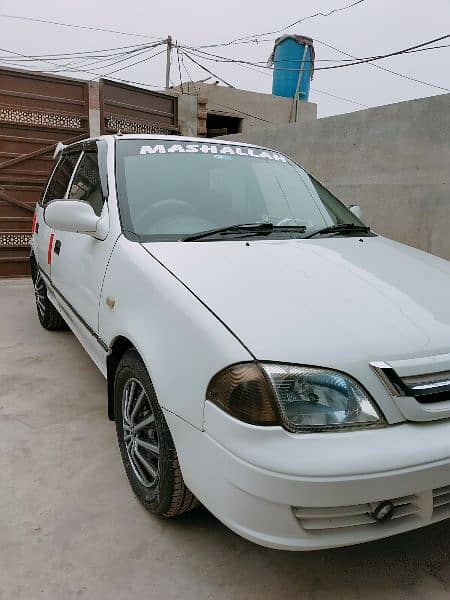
[182, 343]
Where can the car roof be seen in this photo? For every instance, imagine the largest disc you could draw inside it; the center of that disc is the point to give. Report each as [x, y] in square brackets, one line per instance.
[164, 137]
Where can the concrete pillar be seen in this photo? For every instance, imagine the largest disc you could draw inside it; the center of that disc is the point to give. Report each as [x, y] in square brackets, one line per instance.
[94, 108]
[188, 114]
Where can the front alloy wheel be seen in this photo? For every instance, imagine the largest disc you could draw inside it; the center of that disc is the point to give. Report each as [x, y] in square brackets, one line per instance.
[139, 433]
[146, 445]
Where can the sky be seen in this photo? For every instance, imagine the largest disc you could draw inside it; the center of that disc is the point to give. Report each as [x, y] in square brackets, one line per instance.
[370, 28]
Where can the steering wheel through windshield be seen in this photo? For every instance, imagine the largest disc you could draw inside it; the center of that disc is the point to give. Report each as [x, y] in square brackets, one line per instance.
[164, 209]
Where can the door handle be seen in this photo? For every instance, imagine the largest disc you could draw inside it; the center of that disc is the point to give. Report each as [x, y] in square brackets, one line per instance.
[57, 247]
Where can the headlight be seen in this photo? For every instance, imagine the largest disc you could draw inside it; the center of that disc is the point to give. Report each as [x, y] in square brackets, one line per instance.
[301, 399]
[313, 399]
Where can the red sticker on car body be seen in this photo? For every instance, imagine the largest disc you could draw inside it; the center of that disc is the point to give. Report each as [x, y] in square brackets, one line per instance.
[50, 246]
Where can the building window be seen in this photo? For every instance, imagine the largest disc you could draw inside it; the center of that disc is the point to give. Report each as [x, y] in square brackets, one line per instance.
[217, 124]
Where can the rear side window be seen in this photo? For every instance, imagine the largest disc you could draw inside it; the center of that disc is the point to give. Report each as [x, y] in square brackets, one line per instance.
[86, 184]
[60, 178]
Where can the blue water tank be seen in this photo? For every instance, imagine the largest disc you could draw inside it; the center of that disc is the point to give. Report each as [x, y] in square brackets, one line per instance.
[291, 54]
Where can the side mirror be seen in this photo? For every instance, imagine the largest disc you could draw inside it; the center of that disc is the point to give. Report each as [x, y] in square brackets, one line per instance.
[72, 215]
[356, 210]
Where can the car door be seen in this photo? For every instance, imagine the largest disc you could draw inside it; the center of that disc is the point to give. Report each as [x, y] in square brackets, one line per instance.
[79, 260]
[56, 189]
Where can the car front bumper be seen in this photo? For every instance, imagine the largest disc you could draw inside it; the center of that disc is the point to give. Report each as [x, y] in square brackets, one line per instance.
[304, 492]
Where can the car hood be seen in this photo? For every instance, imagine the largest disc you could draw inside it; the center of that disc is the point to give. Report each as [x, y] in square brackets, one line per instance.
[328, 301]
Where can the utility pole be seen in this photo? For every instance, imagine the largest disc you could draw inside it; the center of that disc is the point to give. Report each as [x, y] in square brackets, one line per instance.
[294, 107]
[168, 57]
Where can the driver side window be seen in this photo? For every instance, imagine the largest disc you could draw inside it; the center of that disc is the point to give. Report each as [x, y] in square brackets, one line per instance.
[86, 183]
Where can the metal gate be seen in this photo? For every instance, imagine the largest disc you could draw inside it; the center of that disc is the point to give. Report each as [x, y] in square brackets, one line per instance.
[135, 110]
[36, 112]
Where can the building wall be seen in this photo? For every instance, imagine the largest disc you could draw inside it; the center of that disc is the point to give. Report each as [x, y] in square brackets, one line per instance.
[256, 110]
[394, 161]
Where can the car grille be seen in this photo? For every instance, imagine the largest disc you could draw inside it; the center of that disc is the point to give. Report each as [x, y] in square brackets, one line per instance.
[441, 501]
[426, 389]
[358, 515]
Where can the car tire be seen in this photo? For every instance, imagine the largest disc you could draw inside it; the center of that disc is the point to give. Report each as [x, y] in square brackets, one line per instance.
[146, 445]
[48, 316]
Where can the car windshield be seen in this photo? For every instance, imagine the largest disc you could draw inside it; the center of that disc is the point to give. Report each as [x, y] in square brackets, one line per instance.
[170, 189]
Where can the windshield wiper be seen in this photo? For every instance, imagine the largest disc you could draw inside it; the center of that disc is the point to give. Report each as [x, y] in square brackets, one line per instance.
[341, 228]
[252, 228]
[229, 228]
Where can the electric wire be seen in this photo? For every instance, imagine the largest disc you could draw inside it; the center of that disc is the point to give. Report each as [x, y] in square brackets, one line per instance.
[326, 93]
[83, 65]
[225, 59]
[242, 112]
[250, 37]
[229, 107]
[179, 69]
[320, 91]
[382, 68]
[147, 58]
[189, 74]
[382, 56]
[210, 72]
[416, 48]
[281, 29]
[253, 38]
[89, 53]
[75, 26]
[97, 63]
[69, 67]
[121, 80]
[373, 64]
[369, 60]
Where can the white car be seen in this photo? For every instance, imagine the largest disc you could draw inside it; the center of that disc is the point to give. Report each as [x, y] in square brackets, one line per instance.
[266, 353]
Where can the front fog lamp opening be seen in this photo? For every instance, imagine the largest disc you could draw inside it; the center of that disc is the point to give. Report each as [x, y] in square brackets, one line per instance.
[383, 511]
[316, 399]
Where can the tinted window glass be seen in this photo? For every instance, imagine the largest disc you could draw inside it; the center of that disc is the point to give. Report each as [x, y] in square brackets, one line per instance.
[60, 178]
[86, 184]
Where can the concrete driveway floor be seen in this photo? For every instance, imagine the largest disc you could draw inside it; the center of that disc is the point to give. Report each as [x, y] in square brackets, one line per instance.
[70, 526]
